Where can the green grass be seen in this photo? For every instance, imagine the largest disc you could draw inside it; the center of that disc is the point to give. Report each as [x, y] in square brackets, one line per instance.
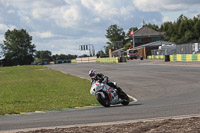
[37, 88]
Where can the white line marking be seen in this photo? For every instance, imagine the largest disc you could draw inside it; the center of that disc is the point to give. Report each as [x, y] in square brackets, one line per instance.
[134, 99]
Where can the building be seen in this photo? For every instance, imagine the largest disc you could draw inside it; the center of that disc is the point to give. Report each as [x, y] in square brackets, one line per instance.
[146, 49]
[141, 36]
[117, 44]
[146, 35]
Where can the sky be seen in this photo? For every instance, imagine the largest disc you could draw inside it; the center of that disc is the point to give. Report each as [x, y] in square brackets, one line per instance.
[61, 26]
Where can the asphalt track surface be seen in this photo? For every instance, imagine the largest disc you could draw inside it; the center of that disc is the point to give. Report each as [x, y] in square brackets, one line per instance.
[162, 90]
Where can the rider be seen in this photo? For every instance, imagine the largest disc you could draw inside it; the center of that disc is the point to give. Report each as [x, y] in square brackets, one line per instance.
[101, 78]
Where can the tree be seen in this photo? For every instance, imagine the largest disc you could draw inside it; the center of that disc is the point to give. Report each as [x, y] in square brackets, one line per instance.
[17, 48]
[127, 46]
[55, 57]
[114, 33]
[183, 30]
[197, 30]
[109, 46]
[153, 26]
[101, 54]
[64, 57]
[131, 29]
[44, 55]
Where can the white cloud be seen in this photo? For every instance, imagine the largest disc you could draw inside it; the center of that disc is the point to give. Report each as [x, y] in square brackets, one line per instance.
[70, 46]
[4, 28]
[11, 11]
[166, 19]
[105, 8]
[43, 34]
[165, 5]
[173, 8]
[70, 17]
[62, 25]
[64, 16]
[40, 13]
[1, 38]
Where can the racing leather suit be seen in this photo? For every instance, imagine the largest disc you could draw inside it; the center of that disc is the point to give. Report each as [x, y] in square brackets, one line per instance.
[104, 79]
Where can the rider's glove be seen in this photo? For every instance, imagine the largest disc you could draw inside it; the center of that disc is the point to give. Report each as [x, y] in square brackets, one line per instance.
[105, 80]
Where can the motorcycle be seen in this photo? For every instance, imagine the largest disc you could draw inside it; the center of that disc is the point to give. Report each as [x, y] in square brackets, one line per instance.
[107, 95]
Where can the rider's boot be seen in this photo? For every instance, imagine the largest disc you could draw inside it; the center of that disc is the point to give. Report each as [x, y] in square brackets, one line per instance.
[120, 92]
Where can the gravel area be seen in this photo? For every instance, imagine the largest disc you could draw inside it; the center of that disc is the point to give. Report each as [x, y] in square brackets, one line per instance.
[184, 125]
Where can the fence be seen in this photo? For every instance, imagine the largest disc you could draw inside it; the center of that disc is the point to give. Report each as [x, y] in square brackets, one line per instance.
[187, 48]
[190, 48]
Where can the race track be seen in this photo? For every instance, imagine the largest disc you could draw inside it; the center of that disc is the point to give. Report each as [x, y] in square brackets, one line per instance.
[162, 91]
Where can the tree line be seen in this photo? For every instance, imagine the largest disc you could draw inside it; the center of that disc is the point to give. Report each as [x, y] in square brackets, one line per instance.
[46, 55]
[17, 49]
[183, 30]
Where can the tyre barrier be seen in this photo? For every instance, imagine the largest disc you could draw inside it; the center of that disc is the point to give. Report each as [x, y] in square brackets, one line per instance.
[177, 57]
[156, 57]
[73, 61]
[185, 57]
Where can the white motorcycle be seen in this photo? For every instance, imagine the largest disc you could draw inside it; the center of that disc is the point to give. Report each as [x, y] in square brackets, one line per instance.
[107, 95]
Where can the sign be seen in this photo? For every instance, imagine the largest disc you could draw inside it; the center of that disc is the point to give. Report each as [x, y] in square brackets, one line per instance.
[196, 49]
[84, 47]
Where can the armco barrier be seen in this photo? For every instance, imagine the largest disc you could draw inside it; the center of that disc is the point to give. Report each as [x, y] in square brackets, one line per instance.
[94, 59]
[86, 59]
[185, 57]
[108, 60]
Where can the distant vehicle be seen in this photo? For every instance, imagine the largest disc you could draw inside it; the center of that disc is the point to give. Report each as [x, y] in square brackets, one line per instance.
[132, 54]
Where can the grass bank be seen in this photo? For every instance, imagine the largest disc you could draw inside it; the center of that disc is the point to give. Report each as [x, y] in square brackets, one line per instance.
[37, 88]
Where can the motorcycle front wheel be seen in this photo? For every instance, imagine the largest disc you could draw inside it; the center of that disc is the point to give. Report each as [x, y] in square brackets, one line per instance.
[103, 101]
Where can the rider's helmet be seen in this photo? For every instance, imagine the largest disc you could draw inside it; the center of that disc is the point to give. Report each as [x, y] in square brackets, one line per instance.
[92, 73]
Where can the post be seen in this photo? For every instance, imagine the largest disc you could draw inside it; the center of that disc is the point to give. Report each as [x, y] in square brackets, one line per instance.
[110, 53]
[145, 54]
[133, 40]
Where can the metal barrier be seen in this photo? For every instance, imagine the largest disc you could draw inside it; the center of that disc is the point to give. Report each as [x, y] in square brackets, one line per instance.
[86, 59]
[95, 59]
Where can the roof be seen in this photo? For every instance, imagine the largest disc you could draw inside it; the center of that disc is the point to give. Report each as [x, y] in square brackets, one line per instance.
[118, 50]
[145, 31]
[156, 43]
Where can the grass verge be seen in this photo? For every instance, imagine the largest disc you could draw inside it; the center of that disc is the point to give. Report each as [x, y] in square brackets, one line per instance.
[37, 88]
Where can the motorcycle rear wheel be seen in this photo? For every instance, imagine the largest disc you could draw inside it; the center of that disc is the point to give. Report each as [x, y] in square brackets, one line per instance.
[125, 98]
[103, 101]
